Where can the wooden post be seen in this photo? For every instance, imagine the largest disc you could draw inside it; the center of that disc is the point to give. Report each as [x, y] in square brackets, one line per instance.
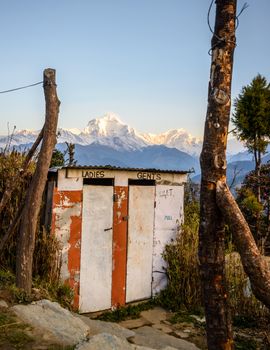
[213, 167]
[26, 241]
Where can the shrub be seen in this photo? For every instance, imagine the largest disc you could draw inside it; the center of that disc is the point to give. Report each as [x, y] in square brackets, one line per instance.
[183, 292]
[184, 289]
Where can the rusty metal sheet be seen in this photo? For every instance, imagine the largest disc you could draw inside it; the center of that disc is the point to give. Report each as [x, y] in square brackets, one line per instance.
[140, 242]
[96, 248]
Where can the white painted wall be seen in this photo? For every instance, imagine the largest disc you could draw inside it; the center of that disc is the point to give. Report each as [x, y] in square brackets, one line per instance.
[72, 179]
[96, 248]
[168, 217]
[140, 242]
[68, 184]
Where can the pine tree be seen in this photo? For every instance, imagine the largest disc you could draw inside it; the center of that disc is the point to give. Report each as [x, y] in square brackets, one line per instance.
[252, 120]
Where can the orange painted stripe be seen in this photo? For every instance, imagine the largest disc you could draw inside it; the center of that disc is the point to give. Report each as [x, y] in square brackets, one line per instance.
[66, 200]
[119, 254]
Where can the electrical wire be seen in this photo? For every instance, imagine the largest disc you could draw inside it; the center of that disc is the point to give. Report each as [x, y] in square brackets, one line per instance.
[244, 7]
[21, 87]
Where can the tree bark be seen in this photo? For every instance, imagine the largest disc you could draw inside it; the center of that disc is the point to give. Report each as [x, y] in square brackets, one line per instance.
[213, 167]
[26, 241]
[253, 262]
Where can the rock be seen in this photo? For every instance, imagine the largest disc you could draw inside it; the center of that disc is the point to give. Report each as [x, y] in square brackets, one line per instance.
[3, 304]
[136, 323]
[181, 334]
[198, 319]
[156, 339]
[97, 327]
[162, 327]
[187, 330]
[107, 341]
[155, 315]
[55, 322]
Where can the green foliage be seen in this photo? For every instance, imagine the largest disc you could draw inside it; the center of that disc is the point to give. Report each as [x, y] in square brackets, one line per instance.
[257, 214]
[244, 305]
[127, 312]
[184, 289]
[46, 260]
[242, 343]
[19, 295]
[55, 291]
[248, 203]
[241, 321]
[252, 115]
[183, 293]
[6, 318]
[12, 334]
[6, 277]
[58, 158]
[11, 163]
[182, 317]
[42, 289]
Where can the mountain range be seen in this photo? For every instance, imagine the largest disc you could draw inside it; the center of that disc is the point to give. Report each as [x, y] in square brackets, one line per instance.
[110, 131]
[109, 141]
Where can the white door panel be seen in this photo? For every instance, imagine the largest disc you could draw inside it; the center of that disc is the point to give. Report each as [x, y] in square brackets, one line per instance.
[96, 248]
[168, 218]
[140, 242]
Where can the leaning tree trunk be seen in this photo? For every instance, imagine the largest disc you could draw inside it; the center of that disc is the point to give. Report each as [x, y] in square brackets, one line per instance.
[213, 168]
[26, 241]
[255, 266]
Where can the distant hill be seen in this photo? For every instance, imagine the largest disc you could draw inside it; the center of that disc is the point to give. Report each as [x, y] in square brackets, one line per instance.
[160, 157]
[237, 169]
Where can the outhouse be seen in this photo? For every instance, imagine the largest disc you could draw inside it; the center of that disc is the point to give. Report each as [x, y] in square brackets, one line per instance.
[113, 224]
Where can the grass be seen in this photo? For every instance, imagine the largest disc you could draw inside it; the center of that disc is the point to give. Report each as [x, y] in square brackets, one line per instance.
[127, 312]
[12, 332]
[181, 317]
[58, 292]
[241, 321]
[245, 344]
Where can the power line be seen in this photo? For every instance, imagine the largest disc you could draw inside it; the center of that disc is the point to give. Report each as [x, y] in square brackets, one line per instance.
[21, 87]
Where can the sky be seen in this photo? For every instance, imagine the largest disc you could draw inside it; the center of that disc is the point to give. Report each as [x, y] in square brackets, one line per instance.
[146, 60]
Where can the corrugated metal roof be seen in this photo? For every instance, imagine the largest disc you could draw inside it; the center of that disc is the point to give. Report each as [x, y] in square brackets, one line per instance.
[111, 167]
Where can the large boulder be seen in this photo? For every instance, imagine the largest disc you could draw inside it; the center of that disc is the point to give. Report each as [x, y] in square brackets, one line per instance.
[156, 339]
[97, 327]
[107, 341]
[54, 322]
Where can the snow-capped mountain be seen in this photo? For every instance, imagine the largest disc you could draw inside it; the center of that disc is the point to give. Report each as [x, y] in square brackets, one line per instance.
[20, 137]
[110, 131]
[176, 138]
